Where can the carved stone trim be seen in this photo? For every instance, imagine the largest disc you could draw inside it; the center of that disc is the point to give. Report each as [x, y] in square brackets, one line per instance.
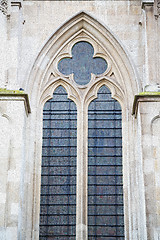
[4, 6]
[157, 8]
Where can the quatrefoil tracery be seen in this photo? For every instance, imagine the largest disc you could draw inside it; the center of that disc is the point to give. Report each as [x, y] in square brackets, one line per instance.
[82, 63]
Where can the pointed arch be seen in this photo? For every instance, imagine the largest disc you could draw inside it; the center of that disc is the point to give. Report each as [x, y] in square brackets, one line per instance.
[126, 74]
[53, 85]
[116, 92]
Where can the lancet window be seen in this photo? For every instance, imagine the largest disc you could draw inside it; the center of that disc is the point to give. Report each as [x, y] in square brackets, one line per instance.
[81, 180]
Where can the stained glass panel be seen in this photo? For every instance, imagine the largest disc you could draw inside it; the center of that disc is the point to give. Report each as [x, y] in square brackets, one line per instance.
[105, 187]
[58, 177]
[82, 63]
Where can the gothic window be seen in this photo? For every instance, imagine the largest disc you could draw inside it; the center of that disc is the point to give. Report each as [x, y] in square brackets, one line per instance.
[81, 180]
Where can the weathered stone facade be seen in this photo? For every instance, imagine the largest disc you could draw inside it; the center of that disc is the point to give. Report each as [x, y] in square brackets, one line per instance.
[34, 36]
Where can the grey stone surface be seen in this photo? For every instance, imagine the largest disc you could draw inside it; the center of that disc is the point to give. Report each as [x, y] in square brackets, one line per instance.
[34, 37]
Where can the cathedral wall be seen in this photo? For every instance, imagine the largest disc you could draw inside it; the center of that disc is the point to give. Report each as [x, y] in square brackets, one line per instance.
[3, 47]
[25, 29]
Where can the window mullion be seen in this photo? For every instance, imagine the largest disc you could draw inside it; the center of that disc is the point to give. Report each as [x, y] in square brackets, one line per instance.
[82, 173]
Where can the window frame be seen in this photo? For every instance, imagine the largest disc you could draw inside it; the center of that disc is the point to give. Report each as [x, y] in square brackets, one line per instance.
[123, 82]
[83, 96]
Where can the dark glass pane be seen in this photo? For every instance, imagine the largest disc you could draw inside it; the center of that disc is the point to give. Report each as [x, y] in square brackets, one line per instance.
[82, 63]
[58, 177]
[105, 188]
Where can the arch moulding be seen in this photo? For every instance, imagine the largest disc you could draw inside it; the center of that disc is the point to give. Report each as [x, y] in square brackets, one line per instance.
[82, 27]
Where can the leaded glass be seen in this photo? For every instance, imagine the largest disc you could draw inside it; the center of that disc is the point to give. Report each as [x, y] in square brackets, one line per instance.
[58, 178]
[105, 188]
[82, 63]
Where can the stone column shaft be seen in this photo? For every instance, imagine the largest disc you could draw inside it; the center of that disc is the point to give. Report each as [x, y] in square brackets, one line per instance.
[82, 173]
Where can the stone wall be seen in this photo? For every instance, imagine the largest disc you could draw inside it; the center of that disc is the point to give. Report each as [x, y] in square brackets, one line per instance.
[33, 35]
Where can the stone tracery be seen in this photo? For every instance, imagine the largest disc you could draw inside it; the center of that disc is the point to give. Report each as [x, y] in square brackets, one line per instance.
[4, 6]
[82, 64]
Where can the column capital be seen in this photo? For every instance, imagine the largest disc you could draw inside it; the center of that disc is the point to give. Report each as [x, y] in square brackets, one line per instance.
[144, 97]
[15, 95]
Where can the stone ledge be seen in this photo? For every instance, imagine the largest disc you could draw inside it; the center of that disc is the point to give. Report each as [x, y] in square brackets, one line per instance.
[16, 4]
[16, 95]
[144, 97]
[147, 3]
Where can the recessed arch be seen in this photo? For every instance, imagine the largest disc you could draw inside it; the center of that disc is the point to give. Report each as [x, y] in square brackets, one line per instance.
[122, 80]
